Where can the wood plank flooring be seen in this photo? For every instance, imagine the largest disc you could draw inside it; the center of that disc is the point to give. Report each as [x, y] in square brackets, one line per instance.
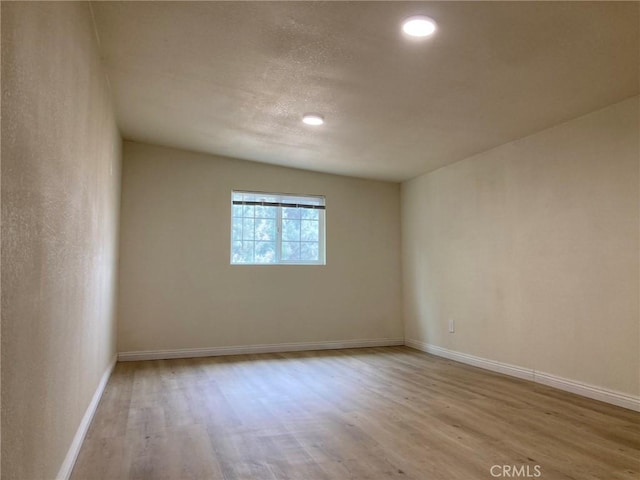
[370, 413]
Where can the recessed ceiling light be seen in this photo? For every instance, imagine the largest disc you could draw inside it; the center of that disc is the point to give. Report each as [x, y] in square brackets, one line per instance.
[313, 119]
[419, 26]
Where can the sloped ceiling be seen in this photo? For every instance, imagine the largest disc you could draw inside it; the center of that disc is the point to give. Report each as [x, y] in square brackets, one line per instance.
[234, 78]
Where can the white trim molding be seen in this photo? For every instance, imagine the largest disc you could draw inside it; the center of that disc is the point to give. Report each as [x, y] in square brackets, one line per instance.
[590, 391]
[74, 449]
[264, 348]
[479, 362]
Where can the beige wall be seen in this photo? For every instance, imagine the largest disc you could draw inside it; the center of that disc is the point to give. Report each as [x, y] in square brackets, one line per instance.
[60, 193]
[532, 249]
[178, 290]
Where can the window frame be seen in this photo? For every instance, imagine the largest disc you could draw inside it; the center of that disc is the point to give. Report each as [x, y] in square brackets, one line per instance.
[322, 252]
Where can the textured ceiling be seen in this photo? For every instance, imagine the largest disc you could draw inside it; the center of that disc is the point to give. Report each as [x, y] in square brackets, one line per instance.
[234, 78]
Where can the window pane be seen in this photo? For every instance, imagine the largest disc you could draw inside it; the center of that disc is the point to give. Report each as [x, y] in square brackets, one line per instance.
[303, 200]
[236, 252]
[260, 197]
[237, 210]
[291, 230]
[290, 251]
[266, 212]
[292, 213]
[248, 210]
[247, 251]
[265, 252]
[236, 229]
[309, 251]
[309, 214]
[242, 252]
[309, 231]
[247, 228]
[265, 229]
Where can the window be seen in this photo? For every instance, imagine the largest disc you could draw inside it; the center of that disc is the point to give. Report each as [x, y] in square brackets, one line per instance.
[272, 228]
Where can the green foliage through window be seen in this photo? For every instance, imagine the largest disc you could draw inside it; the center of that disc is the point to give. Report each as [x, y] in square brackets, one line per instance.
[276, 228]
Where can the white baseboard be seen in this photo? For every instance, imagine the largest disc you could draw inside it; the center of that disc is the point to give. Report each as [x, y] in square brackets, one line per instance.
[268, 348]
[492, 365]
[590, 391]
[72, 454]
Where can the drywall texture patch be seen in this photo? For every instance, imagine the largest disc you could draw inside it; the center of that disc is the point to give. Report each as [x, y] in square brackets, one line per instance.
[177, 289]
[60, 195]
[532, 249]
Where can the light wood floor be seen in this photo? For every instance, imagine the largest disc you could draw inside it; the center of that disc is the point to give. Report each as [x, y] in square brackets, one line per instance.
[373, 413]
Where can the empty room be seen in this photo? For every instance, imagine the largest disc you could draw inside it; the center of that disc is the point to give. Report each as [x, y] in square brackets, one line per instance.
[320, 240]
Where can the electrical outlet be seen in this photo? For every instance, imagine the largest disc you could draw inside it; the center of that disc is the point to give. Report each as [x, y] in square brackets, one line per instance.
[451, 327]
